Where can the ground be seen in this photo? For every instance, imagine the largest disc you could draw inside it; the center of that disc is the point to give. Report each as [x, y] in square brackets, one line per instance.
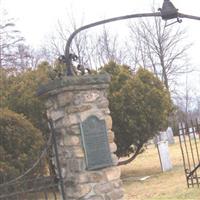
[159, 186]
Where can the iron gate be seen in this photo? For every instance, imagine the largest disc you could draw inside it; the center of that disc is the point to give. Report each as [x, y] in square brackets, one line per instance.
[189, 138]
[39, 182]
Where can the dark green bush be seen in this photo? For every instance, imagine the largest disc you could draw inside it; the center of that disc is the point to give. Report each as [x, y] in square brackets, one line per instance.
[20, 144]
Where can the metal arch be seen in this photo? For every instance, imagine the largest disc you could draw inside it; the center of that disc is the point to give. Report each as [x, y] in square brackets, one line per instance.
[181, 15]
[68, 60]
[68, 57]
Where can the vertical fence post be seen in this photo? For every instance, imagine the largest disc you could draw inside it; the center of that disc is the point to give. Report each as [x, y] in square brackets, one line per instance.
[193, 153]
[57, 160]
[182, 149]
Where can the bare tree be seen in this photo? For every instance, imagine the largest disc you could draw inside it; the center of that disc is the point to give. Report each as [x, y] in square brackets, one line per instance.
[81, 45]
[108, 48]
[93, 48]
[10, 38]
[160, 48]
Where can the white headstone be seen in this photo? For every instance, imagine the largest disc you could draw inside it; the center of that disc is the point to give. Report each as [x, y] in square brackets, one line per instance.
[163, 136]
[181, 130]
[164, 156]
[170, 135]
[193, 133]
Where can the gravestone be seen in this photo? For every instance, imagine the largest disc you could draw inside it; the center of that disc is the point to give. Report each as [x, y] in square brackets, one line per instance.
[170, 135]
[182, 131]
[165, 161]
[193, 133]
[163, 136]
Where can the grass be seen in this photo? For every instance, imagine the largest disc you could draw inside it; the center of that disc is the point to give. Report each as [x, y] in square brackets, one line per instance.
[159, 186]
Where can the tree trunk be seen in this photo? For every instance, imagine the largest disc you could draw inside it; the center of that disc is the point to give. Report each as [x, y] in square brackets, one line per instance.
[131, 158]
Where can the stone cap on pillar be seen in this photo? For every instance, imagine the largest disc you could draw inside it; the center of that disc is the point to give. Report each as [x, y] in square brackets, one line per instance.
[71, 83]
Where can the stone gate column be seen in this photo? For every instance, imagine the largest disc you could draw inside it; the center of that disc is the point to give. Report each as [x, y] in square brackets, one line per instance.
[70, 102]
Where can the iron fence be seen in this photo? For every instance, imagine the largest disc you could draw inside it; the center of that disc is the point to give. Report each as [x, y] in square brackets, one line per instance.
[189, 139]
[39, 182]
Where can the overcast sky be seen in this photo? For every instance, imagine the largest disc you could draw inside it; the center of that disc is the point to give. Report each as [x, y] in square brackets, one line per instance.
[36, 19]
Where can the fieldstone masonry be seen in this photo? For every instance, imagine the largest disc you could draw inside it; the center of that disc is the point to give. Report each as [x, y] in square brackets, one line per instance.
[69, 102]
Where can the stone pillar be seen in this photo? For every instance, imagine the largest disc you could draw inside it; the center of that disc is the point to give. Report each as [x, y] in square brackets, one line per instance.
[69, 102]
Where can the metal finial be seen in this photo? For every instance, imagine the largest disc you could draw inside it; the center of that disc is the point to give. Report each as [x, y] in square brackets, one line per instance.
[168, 10]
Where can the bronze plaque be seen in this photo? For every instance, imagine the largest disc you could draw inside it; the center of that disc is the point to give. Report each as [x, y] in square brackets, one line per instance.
[95, 143]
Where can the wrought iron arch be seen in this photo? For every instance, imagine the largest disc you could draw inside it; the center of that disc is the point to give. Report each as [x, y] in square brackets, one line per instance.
[167, 12]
